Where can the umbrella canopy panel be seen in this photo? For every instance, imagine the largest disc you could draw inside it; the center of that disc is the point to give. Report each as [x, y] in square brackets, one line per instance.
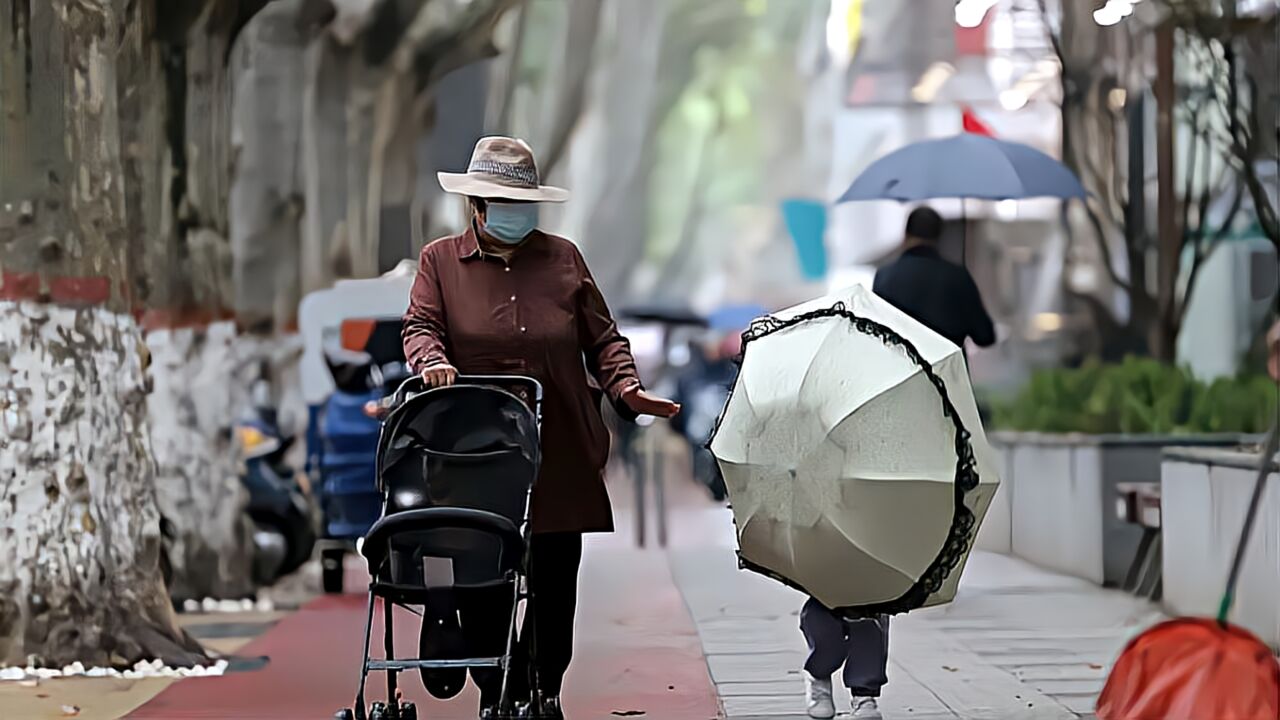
[964, 166]
[840, 460]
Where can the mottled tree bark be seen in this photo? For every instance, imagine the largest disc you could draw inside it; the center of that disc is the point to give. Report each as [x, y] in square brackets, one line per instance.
[191, 406]
[81, 573]
[186, 292]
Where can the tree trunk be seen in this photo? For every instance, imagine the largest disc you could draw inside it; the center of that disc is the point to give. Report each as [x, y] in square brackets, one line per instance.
[81, 579]
[188, 296]
[198, 485]
[266, 198]
[324, 147]
[616, 196]
[564, 100]
[1163, 331]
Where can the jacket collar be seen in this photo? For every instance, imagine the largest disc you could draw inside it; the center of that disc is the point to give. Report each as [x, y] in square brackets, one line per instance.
[922, 250]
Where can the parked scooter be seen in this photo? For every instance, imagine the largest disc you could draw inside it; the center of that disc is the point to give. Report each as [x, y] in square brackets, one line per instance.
[283, 509]
[342, 444]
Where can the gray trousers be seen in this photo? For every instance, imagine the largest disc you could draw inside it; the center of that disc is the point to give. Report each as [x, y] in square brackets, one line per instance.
[861, 646]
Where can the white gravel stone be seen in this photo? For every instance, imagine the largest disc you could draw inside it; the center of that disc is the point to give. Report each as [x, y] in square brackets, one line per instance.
[141, 669]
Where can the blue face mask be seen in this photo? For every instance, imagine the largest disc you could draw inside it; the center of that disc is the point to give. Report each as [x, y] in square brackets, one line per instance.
[510, 222]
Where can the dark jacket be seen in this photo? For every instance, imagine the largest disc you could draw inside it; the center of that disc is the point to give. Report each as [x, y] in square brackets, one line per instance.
[939, 294]
[539, 314]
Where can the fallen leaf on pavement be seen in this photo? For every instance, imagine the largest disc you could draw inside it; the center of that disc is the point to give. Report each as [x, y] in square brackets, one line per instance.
[1095, 666]
[948, 668]
[628, 713]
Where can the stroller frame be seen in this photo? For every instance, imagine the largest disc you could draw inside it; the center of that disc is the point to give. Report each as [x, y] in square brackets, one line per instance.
[394, 709]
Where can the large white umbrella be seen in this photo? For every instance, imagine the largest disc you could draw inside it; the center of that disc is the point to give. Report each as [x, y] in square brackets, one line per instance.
[854, 456]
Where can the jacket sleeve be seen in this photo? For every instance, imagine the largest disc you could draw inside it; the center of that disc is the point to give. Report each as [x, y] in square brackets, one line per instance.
[607, 352]
[981, 330]
[424, 323]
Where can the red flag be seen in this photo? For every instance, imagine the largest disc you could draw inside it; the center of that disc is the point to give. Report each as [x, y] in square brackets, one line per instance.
[973, 125]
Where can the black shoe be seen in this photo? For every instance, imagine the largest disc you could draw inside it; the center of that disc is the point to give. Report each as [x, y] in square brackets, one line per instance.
[441, 639]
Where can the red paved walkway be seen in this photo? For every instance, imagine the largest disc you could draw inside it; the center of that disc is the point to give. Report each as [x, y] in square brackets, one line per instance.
[637, 652]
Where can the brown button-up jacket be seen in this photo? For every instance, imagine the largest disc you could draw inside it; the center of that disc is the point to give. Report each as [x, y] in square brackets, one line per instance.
[539, 314]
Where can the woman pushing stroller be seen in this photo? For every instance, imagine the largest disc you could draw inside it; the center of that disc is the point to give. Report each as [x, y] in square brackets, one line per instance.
[503, 297]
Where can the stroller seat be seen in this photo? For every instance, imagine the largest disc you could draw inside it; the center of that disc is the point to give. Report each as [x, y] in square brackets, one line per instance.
[456, 468]
[483, 549]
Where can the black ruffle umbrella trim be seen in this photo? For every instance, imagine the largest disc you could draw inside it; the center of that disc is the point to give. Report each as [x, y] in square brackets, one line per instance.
[963, 522]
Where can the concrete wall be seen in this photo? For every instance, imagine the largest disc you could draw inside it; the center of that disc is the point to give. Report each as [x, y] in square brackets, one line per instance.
[1061, 492]
[1056, 498]
[1203, 511]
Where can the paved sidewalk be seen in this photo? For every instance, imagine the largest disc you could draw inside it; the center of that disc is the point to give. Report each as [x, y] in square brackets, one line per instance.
[1018, 642]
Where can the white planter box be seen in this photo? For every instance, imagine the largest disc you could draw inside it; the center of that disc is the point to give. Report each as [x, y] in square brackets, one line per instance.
[1056, 503]
[1204, 496]
[1061, 491]
[995, 533]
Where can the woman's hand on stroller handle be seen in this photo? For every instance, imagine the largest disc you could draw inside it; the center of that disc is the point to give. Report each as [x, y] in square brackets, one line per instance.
[439, 374]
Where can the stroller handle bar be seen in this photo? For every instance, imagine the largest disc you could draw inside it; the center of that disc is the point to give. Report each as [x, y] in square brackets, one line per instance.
[416, 384]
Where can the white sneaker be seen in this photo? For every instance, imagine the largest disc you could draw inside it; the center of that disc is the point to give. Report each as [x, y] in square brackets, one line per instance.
[866, 708]
[818, 696]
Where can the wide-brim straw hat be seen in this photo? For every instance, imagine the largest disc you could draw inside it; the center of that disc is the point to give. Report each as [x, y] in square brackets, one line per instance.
[502, 168]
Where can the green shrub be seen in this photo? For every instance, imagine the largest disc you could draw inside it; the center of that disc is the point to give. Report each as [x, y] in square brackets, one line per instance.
[1137, 396]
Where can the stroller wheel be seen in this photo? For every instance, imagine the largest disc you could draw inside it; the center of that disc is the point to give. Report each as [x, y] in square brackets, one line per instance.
[550, 709]
[344, 714]
[379, 712]
[408, 711]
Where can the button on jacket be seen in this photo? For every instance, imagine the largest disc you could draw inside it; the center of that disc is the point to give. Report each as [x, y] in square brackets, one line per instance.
[538, 314]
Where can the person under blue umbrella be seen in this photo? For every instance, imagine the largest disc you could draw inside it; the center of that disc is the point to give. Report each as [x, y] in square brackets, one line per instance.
[939, 294]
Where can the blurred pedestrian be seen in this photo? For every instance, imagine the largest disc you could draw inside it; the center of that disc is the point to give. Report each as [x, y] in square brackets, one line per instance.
[503, 297]
[702, 389]
[939, 294]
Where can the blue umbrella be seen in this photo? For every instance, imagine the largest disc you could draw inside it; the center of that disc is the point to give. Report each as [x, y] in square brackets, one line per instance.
[965, 166]
[968, 165]
[735, 317]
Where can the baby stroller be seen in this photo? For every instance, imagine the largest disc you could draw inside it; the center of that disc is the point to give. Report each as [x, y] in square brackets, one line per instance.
[456, 467]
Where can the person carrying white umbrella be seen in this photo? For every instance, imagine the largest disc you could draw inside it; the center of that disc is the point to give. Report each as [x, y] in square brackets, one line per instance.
[943, 297]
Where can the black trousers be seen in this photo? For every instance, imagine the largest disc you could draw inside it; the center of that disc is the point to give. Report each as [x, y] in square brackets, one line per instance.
[553, 580]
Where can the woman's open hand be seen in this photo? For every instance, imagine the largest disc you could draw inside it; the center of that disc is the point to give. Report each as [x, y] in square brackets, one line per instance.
[642, 402]
[439, 375]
